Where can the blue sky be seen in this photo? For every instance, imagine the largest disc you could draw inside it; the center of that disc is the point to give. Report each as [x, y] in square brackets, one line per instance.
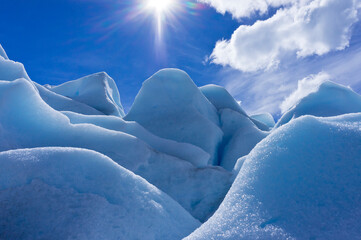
[61, 40]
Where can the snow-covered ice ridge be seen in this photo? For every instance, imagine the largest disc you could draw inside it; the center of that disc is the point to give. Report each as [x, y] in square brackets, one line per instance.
[184, 162]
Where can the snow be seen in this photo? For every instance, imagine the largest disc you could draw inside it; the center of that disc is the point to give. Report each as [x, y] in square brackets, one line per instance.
[221, 98]
[240, 137]
[171, 106]
[301, 182]
[185, 151]
[67, 193]
[11, 70]
[26, 121]
[71, 167]
[97, 90]
[330, 99]
[3, 53]
[62, 103]
[265, 118]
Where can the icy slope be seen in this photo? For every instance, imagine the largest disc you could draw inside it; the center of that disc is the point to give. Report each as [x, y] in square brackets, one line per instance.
[301, 182]
[3, 53]
[11, 70]
[221, 99]
[265, 118]
[62, 103]
[97, 90]
[171, 106]
[185, 151]
[27, 122]
[330, 99]
[240, 132]
[240, 136]
[66, 193]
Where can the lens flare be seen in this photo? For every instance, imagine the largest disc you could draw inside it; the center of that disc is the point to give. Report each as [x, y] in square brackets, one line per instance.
[161, 9]
[159, 5]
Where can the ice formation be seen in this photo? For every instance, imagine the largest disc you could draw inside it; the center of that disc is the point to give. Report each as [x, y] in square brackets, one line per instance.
[330, 99]
[97, 90]
[265, 118]
[301, 182]
[171, 106]
[67, 193]
[72, 166]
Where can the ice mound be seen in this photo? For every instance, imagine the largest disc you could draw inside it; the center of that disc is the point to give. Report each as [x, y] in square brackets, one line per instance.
[67, 193]
[301, 182]
[330, 99]
[222, 99]
[11, 70]
[185, 151]
[62, 103]
[97, 90]
[171, 106]
[26, 121]
[265, 118]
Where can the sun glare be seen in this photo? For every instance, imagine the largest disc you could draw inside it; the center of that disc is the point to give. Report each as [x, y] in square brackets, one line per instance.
[159, 6]
[162, 9]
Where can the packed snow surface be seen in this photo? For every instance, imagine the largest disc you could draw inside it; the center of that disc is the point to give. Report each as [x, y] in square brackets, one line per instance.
[301, 182]
[67, 193]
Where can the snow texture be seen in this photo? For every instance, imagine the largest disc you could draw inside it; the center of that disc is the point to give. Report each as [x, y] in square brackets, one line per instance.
[67, 193]
[301, 182]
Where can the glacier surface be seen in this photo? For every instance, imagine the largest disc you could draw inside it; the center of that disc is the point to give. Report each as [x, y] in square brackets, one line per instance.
[73, 165]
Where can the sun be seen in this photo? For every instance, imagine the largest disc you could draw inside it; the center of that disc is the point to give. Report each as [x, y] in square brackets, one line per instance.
[160, 6]
[163, 11]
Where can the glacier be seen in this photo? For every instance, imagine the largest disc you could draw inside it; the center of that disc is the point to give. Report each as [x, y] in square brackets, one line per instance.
[300, 182]
[184, 161]
[68, 193]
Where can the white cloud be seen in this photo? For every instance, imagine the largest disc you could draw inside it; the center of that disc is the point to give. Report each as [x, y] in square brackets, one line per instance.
[306, 86]
[245, 8]
[303, 28]
[265, 91]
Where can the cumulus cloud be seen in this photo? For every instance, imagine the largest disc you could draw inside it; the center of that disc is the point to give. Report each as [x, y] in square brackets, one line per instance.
[306, 86]
[245, 8]
[299, 28]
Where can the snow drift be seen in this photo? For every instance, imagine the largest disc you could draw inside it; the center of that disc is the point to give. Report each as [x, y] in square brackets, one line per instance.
[301, 182]
[66, 193]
